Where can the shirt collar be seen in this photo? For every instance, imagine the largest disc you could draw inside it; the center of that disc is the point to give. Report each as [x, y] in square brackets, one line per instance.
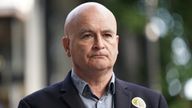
[79, 83]
[82, 85]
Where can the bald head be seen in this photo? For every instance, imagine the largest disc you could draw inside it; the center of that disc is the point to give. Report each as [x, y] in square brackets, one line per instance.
[86, 10]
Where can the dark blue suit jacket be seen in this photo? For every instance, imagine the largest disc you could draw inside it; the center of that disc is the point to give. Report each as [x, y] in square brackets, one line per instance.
[65, 95]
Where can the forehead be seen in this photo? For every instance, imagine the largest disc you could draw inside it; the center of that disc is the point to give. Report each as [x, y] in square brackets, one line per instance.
[96, 13]
[94, 19]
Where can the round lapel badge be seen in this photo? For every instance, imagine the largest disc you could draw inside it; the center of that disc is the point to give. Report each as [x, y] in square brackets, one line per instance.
[138, 102]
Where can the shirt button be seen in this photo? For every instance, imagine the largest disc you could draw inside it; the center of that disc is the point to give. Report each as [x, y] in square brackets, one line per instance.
[100, 101]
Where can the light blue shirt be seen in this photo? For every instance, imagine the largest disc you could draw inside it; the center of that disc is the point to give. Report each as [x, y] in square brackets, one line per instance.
[87, 96]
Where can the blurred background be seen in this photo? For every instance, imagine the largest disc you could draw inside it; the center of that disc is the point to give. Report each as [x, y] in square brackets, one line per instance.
[155, 46]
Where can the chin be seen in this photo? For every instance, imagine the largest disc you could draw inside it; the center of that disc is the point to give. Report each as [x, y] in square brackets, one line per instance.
[101, 67]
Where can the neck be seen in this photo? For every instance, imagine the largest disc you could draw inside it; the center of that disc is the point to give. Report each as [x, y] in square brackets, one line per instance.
[97, 80]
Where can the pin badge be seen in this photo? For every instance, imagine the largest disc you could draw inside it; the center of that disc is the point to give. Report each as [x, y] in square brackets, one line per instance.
[138, 102]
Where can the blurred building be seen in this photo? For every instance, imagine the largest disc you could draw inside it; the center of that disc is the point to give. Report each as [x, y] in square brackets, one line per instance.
[22, 50]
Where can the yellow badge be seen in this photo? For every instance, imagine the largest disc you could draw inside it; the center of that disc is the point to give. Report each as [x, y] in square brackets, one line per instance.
[138, 102]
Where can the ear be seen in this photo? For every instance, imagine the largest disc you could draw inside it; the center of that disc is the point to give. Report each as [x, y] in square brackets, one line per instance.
[66, 45]
[117, 36]
[117, 43]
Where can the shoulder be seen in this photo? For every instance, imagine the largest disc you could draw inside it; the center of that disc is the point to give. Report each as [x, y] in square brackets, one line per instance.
[48, 90]
[152, 98]
[135, 88]
[139, 91]
[44, 95]
[48, 96]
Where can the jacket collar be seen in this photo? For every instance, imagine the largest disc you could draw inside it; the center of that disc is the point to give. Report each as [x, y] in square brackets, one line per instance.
[70, 94]
[122, 96]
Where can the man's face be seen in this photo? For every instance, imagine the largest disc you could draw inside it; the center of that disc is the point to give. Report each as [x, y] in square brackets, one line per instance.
[93, 43]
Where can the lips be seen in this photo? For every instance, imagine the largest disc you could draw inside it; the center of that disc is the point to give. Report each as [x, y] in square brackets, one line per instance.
[99, 55]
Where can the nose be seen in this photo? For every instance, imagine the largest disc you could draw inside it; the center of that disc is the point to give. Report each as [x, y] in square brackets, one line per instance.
[98, 42]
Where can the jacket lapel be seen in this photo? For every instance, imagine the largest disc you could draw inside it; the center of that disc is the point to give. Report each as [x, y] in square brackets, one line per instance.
[123, 96]
[70, 95]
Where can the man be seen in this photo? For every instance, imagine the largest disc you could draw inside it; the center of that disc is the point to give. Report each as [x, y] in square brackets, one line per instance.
[91, 41]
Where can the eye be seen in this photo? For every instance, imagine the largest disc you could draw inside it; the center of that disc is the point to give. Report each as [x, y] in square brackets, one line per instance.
[107, 35]
[87, 36]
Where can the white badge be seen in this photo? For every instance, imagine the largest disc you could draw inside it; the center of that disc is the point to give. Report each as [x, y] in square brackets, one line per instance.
[138, 102]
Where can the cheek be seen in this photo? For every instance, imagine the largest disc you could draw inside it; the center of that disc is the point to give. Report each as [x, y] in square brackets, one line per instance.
[80, 49]
[114, 47]
[114, 52]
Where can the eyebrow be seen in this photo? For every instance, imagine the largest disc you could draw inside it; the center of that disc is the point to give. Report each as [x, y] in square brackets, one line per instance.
[108, 31]
[83, 30]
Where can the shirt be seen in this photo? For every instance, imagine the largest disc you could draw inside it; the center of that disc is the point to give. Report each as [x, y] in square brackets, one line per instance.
[89, 99]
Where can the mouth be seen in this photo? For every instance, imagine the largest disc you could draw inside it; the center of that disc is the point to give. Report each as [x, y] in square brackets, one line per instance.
[98, 56]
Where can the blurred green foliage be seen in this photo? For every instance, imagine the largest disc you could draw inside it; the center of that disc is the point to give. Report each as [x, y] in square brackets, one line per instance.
[131, 16]
[128, 14]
